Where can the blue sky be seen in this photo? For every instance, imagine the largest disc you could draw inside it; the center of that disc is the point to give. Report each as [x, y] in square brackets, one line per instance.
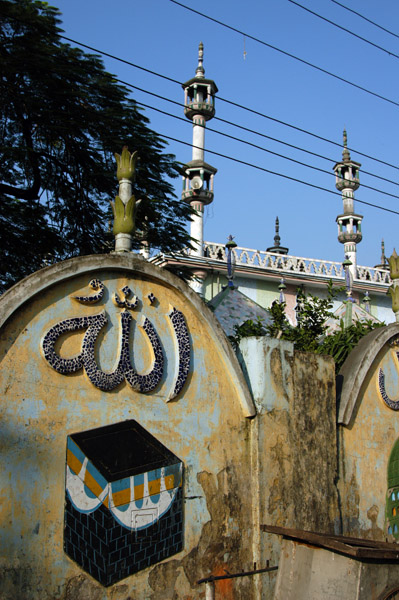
[163, 37]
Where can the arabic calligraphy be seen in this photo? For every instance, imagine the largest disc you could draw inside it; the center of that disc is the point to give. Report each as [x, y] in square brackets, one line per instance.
[393, 404]
[124, 370]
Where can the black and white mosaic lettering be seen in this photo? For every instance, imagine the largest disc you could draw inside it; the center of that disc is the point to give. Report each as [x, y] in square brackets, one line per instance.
[393, 404]
[86, 359]
[106, 381]
[148, 382]
[125, 303]
[183, 350]
[95, 284]
[64, 365]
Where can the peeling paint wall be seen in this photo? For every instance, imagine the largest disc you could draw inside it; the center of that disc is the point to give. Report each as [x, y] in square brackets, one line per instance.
[293, 440]
[205, 426]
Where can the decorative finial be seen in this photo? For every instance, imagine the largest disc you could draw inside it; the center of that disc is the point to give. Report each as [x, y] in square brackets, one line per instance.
[231, 260]
[383, 257]
[277, 238]
[345, 153]
[394, 289]
[200, 72]
[394, 265]
[282, 287]
[366, 302]
[348, 277]
[125, 205]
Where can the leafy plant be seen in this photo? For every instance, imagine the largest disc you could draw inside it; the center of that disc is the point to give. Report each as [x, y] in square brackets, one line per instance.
[247, 329]
[310, 333]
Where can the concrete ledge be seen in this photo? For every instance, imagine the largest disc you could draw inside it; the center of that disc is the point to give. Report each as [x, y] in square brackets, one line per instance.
[356, 367]
[38, 282]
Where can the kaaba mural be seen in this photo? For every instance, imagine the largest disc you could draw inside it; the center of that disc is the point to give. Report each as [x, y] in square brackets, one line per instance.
[124, 506]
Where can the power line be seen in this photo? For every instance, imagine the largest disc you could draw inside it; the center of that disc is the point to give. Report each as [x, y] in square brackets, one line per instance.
[259, 168]
[301, 60]
[365, 18]
[232, 137]
[231, 123]
[253, 111]
[236, 104]
[359, 37]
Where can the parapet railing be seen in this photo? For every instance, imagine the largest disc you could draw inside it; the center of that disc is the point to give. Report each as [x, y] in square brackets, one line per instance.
[293, 264]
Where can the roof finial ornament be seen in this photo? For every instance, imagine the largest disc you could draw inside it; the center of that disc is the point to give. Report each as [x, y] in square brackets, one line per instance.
[384, 259]
[345, 153]
[277, 249]
[200, 72]
[277, 238]
[282, 287]
[125, 205]
[231, 260]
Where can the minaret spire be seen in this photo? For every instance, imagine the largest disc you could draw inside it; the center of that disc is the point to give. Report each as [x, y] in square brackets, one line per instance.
[277, 249]
[349, 223]
[199, 107]
[384, 261]
[200, 72]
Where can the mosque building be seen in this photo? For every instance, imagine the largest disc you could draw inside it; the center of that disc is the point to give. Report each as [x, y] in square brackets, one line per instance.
[264, 276]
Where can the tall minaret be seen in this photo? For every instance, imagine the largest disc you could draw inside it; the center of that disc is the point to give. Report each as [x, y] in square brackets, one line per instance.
[199, 107]
[349, 223]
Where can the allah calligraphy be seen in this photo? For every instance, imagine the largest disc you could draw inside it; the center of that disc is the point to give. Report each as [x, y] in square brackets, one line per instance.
[93, 324]
[393, 404]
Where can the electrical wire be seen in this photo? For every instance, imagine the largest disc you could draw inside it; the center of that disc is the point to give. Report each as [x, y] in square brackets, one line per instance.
[283, 175]
[365, 18]
[231, 123]
[359, 37]
[301, 60]
[235, 138]
[246, 108]
[232, 137]
[236, 104]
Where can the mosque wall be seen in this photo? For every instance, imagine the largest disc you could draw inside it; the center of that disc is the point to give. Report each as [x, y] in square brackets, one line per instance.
[125, 438]
[294, 448]
[139, 456]
[368, 437]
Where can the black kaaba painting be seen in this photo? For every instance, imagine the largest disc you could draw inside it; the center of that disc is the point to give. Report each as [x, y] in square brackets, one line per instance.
[124, 505]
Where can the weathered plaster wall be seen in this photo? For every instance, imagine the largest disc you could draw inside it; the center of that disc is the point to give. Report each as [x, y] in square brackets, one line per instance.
[367, 432]
[293, 442]
[206, 426]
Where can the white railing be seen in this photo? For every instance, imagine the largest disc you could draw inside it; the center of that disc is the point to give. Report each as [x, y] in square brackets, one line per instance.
[293, 264]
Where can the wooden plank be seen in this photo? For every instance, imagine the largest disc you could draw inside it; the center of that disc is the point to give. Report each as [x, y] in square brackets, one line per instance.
[356, 547]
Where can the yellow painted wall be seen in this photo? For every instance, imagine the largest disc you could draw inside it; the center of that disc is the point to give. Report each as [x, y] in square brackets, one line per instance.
[205, 426]
[365, 446]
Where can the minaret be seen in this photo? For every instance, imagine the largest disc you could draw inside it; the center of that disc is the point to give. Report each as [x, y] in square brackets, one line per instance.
[199, 107]
[349, 223]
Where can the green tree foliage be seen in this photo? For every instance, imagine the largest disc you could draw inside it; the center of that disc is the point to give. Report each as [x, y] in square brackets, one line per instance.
[63, 117]
[310, 334]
